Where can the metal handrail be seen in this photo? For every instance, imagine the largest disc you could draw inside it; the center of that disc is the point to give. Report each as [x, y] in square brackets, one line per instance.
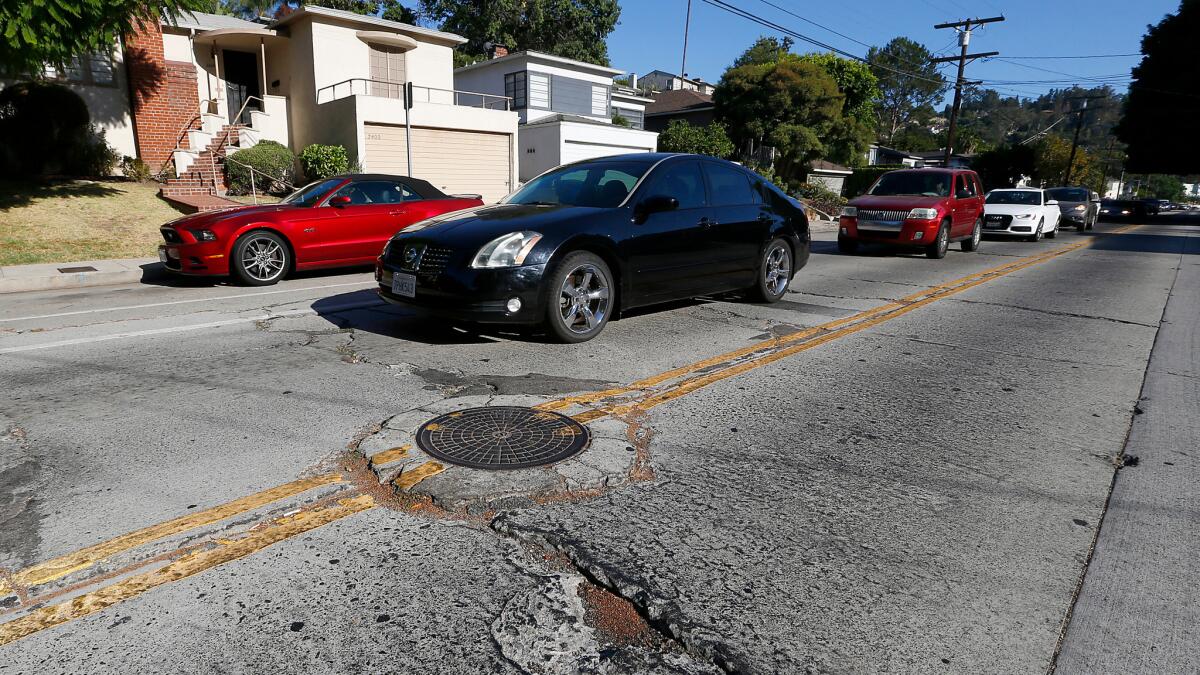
[183, 133]
[253, 187]
[363, 86]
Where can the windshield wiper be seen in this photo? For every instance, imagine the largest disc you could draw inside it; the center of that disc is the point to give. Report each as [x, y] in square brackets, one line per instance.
[539, 203]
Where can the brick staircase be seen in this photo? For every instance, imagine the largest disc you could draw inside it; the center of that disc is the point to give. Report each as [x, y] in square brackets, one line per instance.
[201, 185]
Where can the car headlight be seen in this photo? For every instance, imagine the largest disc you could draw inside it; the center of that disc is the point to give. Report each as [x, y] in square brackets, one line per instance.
[506, 251]
[1023, 216]
[387, 248]
[850, 211]
[203, 235]
[1079, 207]
[923, 214]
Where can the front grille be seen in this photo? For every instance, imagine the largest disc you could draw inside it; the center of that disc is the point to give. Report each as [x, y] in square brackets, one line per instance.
[170, 235]
[882, 215]
[433, 263]
[998, 220]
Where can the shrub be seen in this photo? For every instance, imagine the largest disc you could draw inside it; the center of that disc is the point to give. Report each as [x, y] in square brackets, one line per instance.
[135, 169]
[679, 136]
[820, 198]
[42, 128]
[322, 161]
[273, 163]
[93, 156]
[620, 120]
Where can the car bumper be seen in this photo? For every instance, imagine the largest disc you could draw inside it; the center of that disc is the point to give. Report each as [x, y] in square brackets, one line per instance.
[202, 259]
[478, 295]
[906, 233]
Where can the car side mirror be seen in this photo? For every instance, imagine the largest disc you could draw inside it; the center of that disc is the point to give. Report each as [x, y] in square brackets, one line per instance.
[655, 204]
[1052, 202]
[339, 201]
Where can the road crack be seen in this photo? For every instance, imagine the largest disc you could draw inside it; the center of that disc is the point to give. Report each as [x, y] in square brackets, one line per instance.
[1052, 312]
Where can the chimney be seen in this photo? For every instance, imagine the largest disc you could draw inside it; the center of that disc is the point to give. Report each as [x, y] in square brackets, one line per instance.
[498, 51]
[633, 80]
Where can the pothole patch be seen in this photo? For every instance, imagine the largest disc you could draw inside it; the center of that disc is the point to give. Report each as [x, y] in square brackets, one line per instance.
[448, 452]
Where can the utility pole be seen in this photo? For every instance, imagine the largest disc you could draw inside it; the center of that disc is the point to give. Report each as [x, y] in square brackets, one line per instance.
[1078, 125]
[964, 39]
[687, 24]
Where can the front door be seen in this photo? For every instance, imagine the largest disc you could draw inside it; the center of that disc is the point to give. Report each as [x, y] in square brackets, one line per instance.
[669, 252]
[241, 83]
[739, 230]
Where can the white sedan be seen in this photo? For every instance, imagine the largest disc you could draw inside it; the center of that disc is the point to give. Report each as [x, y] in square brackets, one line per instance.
[1021, 212]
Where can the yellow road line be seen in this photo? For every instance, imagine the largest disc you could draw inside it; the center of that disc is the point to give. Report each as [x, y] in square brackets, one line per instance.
[62, 566]
[389, 456]
[408, 479]
[186, 566]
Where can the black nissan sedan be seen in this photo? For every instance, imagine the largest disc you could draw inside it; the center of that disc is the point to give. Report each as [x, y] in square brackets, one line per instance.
[584, 242]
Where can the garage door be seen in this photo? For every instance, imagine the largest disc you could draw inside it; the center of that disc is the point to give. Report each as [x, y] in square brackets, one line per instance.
[574, 151]
[457, 162]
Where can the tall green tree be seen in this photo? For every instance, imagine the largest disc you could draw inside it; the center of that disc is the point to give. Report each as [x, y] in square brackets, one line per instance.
[34, 33]
[1161, 125]
[909, 85]
[574, 29]
[764, 50]
[792, 105]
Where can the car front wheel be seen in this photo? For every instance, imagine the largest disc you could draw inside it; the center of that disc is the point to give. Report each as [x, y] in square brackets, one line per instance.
[774, 272]
[260, 258]
[579, 298]
[937, 249]
[1037, 236]
[1053, 232]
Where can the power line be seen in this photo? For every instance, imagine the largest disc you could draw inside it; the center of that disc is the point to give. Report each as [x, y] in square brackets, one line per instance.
[963, 28]
[1089, 56]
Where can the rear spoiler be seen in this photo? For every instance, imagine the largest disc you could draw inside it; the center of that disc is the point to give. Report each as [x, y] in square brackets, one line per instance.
[466, 196]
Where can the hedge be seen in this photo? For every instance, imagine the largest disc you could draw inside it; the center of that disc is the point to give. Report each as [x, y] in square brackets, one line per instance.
[322, 161]
[273, 163]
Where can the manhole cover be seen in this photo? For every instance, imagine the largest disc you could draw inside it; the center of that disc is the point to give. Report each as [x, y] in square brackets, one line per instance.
[502, 437]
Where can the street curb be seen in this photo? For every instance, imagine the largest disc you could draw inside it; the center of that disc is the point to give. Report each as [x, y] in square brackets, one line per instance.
[816, 225]
[26, 278]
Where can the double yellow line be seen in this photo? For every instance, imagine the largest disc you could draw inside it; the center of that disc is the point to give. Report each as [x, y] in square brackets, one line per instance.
[638, 396]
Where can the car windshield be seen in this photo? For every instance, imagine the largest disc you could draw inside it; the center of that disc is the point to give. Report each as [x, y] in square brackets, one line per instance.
[597, 184]
[309, 194]
[1023, 197]
[926, 183]
[1068, 194]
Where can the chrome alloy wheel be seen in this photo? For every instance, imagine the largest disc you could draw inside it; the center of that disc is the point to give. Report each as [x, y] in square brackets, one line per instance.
[943, 240]
[778, 270]
[263, 258]
[583, 299]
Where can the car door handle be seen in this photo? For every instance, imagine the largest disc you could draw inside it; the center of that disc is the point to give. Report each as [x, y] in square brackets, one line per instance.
[398, 212]
[706, 222]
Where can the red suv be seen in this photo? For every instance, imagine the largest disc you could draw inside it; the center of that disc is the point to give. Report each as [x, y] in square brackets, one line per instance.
[927, 208]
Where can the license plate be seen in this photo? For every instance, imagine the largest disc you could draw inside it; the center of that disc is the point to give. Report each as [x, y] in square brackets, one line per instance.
[404, 284]
[162, 255]
[994, 225]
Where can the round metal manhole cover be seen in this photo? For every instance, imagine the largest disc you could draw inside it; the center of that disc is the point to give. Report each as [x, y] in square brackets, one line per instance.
[502, 437]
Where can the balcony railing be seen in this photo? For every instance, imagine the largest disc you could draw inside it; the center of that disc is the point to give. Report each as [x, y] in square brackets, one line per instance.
[361, 86]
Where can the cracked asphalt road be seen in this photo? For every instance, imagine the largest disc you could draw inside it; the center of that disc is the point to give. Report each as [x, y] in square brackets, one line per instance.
[919, 494]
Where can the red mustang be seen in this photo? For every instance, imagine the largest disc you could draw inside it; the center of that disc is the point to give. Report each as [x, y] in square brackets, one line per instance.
[339, 221]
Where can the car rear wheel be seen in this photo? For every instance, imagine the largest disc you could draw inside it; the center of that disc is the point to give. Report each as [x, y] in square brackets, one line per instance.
[774, 272]
[847, 245]
[579, 298]
[972, 244]
[937, 250]
[1052, 233]
[260, 258]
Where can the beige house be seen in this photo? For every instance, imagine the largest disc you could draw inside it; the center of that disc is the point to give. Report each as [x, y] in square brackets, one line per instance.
[183, 95]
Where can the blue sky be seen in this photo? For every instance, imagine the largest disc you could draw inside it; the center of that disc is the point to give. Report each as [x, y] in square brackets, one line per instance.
[650, 35]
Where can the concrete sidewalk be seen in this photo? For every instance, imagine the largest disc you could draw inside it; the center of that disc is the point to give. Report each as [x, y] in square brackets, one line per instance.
[50, 276]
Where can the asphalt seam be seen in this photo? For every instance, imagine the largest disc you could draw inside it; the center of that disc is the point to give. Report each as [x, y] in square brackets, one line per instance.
[1052, 312]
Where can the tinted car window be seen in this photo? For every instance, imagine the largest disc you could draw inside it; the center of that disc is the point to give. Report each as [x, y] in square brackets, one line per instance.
[596, 184]
[311, 193]
[368, 192]
[728, 186]
[966, 188]
[927, 183]
[1023, 197]
[1068, 194]
[681, 180]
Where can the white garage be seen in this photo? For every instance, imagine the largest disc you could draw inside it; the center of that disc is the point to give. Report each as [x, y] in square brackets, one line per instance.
[456, 161]
[561, 139]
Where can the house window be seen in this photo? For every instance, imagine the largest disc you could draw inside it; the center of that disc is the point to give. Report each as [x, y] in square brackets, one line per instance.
[95, 69]
[387, 71]
[600, 100]
[539, 90]
[637, 118]
[515, 88]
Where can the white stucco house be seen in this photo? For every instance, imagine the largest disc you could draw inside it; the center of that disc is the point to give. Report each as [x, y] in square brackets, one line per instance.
[566, 108]
[178, 93]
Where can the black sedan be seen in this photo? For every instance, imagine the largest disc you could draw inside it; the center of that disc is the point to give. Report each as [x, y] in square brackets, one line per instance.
[584, 242]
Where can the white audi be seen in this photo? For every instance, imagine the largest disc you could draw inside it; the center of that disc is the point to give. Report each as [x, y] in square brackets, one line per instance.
[1021, 212]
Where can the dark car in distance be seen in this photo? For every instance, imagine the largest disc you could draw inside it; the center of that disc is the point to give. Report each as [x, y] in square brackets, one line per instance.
[1120, 209]
[926, 208]
[1079, 206]
[584, 242]
[339, 221]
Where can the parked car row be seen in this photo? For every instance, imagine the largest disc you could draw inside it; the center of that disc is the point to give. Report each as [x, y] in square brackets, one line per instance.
[570, 250]
[929, 208]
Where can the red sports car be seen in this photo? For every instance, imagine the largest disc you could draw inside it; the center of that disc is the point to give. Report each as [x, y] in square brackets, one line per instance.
[339, 221]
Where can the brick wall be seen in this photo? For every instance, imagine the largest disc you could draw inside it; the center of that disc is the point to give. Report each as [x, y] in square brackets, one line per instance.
[163, 93]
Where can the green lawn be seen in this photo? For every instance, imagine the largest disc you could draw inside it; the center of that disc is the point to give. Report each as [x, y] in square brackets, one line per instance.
[80, 220]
